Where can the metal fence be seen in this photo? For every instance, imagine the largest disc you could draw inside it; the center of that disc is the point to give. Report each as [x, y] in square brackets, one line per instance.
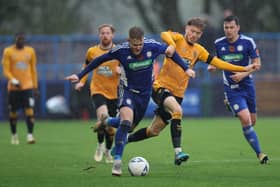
[59, 56]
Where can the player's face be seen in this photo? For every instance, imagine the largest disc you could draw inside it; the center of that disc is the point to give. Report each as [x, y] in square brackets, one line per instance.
[231, 30]
[136, 45]
[20, 41]
[192, 33]
[106, 36]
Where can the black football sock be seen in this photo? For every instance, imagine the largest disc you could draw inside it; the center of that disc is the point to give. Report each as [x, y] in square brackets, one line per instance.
[30, 124]
[138, 135]
[13, 125]
[100, 136]
[176, 132]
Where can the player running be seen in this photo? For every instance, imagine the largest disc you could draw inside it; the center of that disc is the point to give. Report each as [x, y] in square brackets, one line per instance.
[136, 57]
[239, 87]
[103, 88]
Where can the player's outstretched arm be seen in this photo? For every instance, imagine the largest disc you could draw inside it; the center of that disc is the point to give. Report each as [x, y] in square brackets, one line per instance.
[252, 67]
[211, 68]
[72, 78]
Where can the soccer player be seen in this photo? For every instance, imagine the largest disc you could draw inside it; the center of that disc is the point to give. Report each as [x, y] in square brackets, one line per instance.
[103, 87]
[136, 57]
[239, 88]
[169, 87]
[19, 67]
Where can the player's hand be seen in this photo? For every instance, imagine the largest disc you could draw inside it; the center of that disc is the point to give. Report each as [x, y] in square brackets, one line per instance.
[73, 78]
[79, 86]
[15, 82]
[36, 92]
[190, 73]
[211, 68]
[238, 76]
[252, 67]
[118, 70]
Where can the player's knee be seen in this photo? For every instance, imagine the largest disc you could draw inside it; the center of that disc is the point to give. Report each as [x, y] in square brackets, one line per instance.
[13, 115]
[125, 125]
[110, 131]
[177, 114]
[29, 112]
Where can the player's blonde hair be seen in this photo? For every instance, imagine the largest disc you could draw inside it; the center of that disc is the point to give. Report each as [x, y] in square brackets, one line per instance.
[106, 25]
[197, 22]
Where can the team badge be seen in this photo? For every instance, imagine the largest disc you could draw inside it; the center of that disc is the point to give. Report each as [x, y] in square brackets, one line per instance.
[128, 101]
[149, 54]
[236, 106]
[239, 48]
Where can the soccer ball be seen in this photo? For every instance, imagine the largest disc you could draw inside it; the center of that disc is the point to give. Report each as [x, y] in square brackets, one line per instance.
[138, 166]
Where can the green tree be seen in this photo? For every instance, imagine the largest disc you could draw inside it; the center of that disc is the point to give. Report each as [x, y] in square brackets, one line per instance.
[41, 16]
[158, 15]
[255, 15]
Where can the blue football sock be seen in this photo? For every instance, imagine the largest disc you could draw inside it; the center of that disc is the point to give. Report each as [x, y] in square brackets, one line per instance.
[120, 138]
[252, 138]
[114, 122]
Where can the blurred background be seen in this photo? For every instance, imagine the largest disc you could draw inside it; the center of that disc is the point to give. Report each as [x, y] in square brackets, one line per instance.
[62, 31]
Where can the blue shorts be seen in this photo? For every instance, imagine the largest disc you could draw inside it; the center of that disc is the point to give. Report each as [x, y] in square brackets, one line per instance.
[241, 98]
[137, 102]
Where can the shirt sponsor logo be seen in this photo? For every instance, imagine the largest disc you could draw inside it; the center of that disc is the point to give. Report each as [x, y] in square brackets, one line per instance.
[105, 71]
[233, 57]
[140, 65]
[21, 65]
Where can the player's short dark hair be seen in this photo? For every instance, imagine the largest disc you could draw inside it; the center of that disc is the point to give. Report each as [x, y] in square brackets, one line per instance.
[136, 33]
[232, 18]
[19, 34]
[106, 25]
[197, 22]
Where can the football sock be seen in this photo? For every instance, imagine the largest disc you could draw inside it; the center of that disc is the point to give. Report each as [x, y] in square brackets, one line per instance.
[176, 132]
[100, 136]
[109, 136]
[121, 136]
[13, 125]
[178, 150]
[30, 124]
[252, 138]
[113, 122]
[138, 135]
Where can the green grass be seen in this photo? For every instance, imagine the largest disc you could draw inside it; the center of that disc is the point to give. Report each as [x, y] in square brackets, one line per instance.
[220, 156]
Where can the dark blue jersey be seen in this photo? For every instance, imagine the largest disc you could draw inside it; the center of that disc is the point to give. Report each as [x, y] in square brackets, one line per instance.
[137, 75]
[238, 53]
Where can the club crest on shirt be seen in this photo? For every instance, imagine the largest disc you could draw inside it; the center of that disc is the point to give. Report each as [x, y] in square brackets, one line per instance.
[239, 48]
[149, 54]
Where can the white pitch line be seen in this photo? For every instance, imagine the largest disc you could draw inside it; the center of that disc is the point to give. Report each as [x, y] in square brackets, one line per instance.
[230, 161]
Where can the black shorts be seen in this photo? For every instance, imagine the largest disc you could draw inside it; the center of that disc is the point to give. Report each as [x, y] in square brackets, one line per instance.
[99, 100]
[20, 99]
[158, 97]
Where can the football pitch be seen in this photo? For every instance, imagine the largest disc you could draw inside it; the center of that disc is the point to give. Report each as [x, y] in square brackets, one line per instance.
[219, 156]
